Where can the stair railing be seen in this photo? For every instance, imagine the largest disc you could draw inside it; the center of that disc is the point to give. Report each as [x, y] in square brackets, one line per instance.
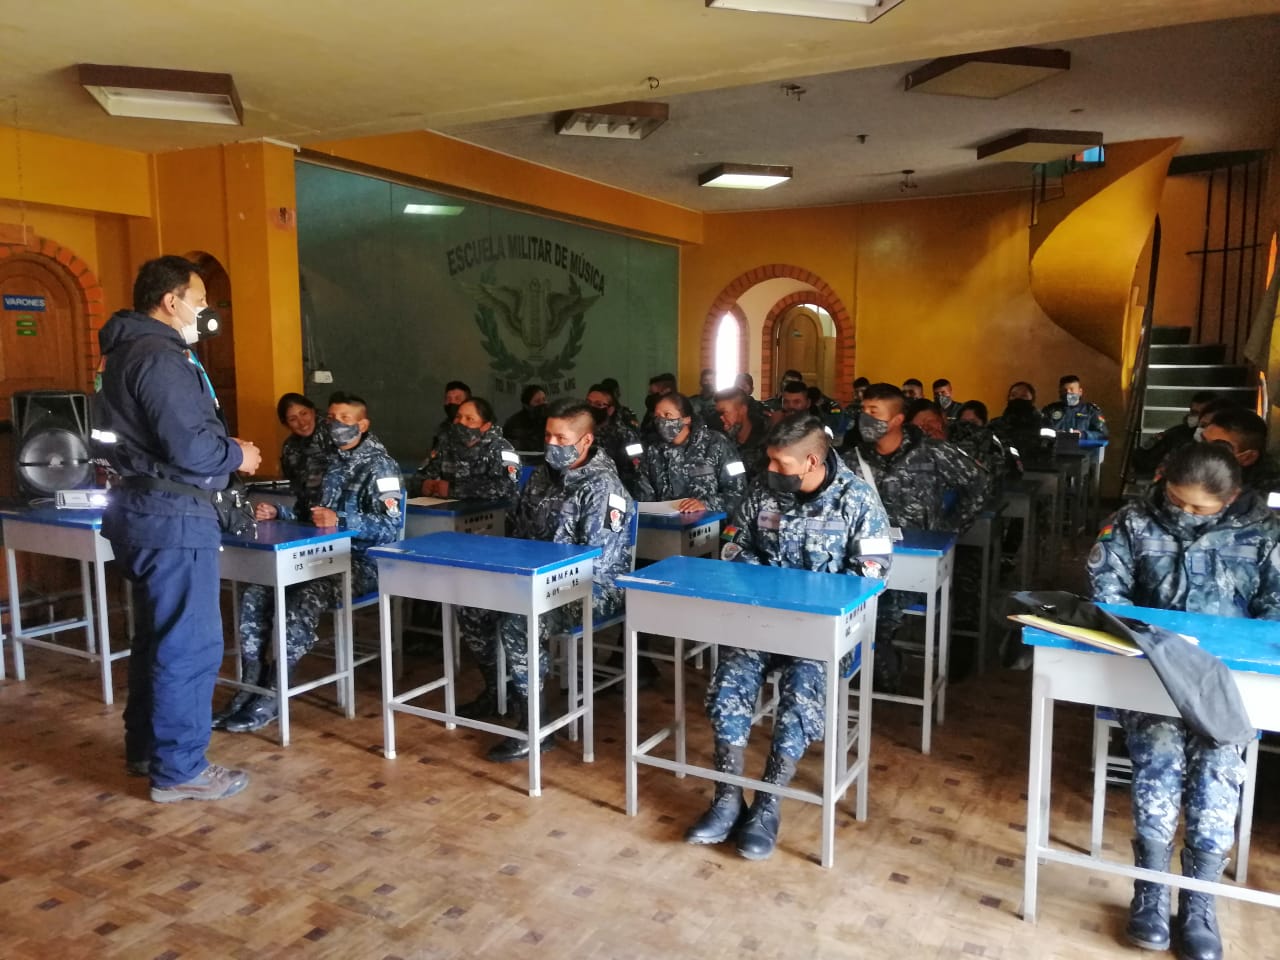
[1138, 385]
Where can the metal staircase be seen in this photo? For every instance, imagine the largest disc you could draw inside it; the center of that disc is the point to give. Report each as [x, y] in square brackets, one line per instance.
[1177, 369]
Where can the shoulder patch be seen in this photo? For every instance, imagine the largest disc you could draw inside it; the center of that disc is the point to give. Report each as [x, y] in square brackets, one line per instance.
[1107, 532]
[634, 449]
[387, 484]
[734, 468]
[1097, 556]
[1056, 415]
[616, 502]
[510, 456]
[393, 506]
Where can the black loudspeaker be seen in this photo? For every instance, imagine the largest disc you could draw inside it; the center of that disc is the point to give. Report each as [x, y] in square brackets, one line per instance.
[51, 441]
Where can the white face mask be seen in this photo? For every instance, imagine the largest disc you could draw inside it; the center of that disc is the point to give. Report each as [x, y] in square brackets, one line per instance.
[1192, 420]
[190, 332]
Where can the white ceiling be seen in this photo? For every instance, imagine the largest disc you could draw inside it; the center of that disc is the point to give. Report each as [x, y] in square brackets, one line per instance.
[1217, 85]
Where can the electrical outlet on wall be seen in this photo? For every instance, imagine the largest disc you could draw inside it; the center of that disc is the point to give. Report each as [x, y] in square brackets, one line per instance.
[322, 376]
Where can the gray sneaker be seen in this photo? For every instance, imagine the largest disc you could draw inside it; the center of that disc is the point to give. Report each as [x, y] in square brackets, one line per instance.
[214, 783]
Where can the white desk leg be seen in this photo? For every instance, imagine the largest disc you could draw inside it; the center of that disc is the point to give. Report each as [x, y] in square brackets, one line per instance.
[629, 687]
[450, 636]
[1244, 820]
[930, 650]
[1101, 745]
[104, 634]
[1037, 790]
[388, 678]
[864, 705]
[86, 592]
[348, 682]
[588, 683]
[678, 699]
[993, 529]
[830, 748]
[282, 668]
[944, 646]
[533, 678]
[15, 617]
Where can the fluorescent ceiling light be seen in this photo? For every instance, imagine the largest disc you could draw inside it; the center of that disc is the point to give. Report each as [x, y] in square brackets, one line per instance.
[1039, 146]
[434, 209]
[184, 95]
[855, 11]
[989, 75]
[633, 120]
[744, 176]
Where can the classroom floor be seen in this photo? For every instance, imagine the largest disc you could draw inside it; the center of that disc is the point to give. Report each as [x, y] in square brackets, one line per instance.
[336, 852]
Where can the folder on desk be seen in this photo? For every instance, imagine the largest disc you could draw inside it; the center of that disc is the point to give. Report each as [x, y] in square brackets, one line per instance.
[429, 501]
[1094, 638]
[659, 508]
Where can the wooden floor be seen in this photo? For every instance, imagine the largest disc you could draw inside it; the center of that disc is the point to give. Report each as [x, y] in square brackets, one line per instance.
[335, 852]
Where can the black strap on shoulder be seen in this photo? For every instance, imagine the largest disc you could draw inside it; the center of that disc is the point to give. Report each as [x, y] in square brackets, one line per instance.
[166, 486]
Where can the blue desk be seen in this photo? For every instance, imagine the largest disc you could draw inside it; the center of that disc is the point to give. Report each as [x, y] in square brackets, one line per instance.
[74, 535]
[421, 517]
[527, 577]
[1078, 673]
[678, 535]
[796, 613]
[923, 562]
[280, 555]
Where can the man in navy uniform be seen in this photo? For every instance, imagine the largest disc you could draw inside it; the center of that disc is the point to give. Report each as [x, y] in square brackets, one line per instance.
[1073, 414]
[159, 418]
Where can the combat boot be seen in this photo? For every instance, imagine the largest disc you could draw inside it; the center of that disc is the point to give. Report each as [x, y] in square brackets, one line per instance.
[759, 834]
[510, 749]
[261, 710]
[486, 704]
[1198, 937]
[727, 811]
[1148, 925]
[250, 672]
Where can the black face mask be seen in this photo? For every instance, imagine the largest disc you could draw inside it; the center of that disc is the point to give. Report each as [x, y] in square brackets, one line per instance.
[786, 483]
[600, 415]
[451, 411]
[465, 434]
[538, 413]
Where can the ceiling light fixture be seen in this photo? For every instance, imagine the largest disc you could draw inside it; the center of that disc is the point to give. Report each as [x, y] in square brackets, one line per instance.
[988, 75]
[854, 11]
[1039, 146]
[150, 94]
[744, 176]
[632, 120]
[906, 183]
[433, 209]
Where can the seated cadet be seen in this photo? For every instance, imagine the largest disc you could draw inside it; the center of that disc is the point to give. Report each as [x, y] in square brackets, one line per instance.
[704, 404]
[928, 417]
[524, 427]
[624, 413]
[823, 407]
[619, 440]
[810, 512]
[1073, 414]
[1196, 543]
[455, 391]
[971, 434]
[659, 387]
[361, 492]
[1021, 390]
[574, 497]
[305, 453]
[849, 416]
[794, 398]
[1246, 434]
[913, 475]
[473, 460]
[912, 389]
[944, 398]
[734, 409]
[697, 467]
[1150, 457]
[747, 384]
[774, 403]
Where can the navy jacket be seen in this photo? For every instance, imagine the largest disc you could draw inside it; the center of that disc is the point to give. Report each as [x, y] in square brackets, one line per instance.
[162, 411]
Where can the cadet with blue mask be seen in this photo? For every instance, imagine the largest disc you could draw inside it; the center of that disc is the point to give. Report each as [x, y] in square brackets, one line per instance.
[1072, 413]
[810, 512]
[473, 460]
[158, 421]
[361, 492]
[575, 497]
[1201, 544]
[697, 467]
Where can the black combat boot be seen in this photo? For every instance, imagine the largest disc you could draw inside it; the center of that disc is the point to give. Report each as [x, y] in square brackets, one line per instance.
[1148, 925]
[759, 834]
[1197, 918]
[250, 672]
[726, 810]
[262, 709]
[486, 704]
[511, 749]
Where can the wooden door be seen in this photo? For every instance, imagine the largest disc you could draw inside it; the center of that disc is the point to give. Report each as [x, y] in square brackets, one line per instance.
[801, 345]
[218, 354]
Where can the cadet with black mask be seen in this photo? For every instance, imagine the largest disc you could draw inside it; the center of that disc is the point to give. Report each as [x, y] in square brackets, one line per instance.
[455, 394]
[524, 427]
[617, 438]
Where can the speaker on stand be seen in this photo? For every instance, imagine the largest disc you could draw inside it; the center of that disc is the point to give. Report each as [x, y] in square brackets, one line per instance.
[51, 441]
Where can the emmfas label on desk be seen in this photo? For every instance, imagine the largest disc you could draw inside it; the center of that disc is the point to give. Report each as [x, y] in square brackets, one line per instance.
[20, 302]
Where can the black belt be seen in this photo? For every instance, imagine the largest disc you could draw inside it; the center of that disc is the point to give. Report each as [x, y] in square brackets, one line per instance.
[166, 486]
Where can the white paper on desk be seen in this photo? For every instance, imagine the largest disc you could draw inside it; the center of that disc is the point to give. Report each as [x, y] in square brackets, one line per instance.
[429, 501]
[660, 508]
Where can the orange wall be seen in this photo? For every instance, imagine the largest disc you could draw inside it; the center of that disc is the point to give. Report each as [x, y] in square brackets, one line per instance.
[1181, 229]
[38, 168]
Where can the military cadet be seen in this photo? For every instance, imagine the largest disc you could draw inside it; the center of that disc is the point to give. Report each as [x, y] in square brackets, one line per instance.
[1246, 434]
[849, 416]
[306, 451]
[524, 427]
[927, 417]
[1021, 390]
[945, 399]
[158, 417]
[810, 512]
[912, 389]
[794, 398]
[624, 413]
[1150, 457]
[697, 467]
[455, 391]
[361, 492]
[774, 403]
[734, 409]
[1201, 544]
[619, 439]
[574, 497]
[913, 476]
[1072, 413]
[473, 460]
[704, 404]
[659, 386]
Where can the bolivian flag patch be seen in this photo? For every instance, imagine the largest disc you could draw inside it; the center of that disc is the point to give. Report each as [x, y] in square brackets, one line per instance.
[728, 533]
[1106, 533]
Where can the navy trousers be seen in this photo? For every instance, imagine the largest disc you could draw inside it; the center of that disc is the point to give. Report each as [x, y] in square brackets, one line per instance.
[174, 659]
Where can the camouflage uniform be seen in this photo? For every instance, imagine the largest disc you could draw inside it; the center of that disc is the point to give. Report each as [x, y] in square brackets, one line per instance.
[840, 528]
[705, 467]
[486, 471]
[1085, 417]
[587, 506]
[986, 450]
[303, 461]
[1263, 477]
[752, 452]
[1148, 555]
[621, 442]
[363, 487]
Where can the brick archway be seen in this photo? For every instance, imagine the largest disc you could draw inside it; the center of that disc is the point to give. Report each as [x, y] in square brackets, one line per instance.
[820, 292]
[80, 279]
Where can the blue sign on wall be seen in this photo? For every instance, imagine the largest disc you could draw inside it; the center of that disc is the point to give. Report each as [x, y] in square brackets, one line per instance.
[14, 302]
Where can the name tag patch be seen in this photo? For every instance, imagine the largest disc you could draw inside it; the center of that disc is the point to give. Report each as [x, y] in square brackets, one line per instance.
[511, 456]
[735, 468]
[388, 484]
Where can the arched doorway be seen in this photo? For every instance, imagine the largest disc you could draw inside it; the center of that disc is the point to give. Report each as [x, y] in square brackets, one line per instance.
[805, 341]
[42, 313]
[218, 354]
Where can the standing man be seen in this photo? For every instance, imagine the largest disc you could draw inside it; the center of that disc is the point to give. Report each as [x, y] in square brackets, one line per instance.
[912, 389]
[945, 399]
[1073, 414]
[171, 450]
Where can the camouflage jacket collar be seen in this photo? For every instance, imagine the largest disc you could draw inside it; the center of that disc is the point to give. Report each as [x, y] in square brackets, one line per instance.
[598, 463]
[369, 448]
[1247, 510]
